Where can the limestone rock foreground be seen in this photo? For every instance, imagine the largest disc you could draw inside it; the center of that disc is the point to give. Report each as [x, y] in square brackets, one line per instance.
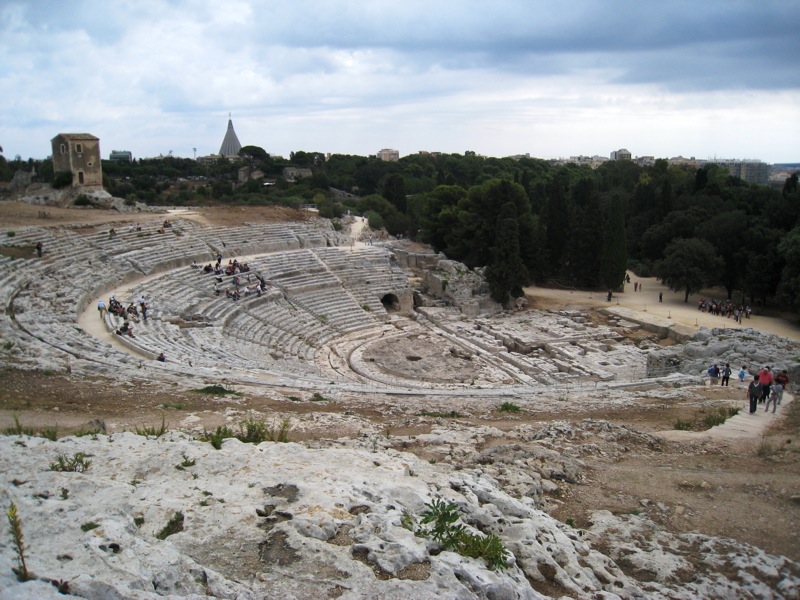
[172, 517]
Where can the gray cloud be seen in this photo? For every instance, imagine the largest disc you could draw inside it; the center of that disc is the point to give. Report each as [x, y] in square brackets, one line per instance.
[169, 69]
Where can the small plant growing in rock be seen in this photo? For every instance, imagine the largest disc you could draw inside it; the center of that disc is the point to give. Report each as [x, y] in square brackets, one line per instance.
[174, 525]
[77, 464]
[152, 430]
[509, 407]
[50, 433]
[279, 433]
[64, 493]
[441, 517]
[17, 542]
[89, 526]
[187, 462]
[317, 397]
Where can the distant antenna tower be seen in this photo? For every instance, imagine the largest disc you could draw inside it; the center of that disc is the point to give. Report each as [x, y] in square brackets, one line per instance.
[194, 150]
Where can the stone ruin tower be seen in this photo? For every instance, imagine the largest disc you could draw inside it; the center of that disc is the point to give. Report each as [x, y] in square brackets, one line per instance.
[79, 154]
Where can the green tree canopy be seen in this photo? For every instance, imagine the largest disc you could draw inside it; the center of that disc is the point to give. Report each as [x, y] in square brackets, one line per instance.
[689, 265]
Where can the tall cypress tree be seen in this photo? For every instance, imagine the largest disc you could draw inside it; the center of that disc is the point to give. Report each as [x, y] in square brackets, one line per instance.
[506, 274]
[614, 257]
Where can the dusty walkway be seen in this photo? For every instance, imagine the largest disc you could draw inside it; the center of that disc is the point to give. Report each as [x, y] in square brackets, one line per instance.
[672, 307]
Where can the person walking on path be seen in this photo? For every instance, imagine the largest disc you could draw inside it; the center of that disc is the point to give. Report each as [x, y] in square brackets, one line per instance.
[726, 374]
[661, 296]
[754, 393]
[101, 308]
[765, 379]
[742, 374]
[773, 398]
[783, 379]
[39, 249]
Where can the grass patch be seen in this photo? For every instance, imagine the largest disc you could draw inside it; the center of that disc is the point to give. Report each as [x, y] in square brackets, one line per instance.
[250, 431]
[317, 397]
[78, 463]
[703, 420]
[216, 390]
[509, 407]
[174, 405]
[18, 429]
[89, 526]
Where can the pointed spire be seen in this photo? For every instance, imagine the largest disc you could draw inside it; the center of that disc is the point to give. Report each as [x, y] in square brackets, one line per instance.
[230, 144]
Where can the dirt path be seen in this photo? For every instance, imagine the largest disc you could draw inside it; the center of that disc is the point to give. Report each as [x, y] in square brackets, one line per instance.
[672, 307]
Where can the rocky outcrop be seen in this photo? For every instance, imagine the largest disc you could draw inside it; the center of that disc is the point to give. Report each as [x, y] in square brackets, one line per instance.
[172, 517]
[747, 347]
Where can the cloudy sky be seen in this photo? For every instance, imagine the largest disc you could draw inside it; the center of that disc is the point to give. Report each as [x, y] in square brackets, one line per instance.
[499, 77]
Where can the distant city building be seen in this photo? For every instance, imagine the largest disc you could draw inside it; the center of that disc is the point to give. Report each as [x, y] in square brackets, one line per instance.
[247, 173]
[292, 174]
[389, 155]
[79, 154]
[592, 161]
[751, 171]
[121, 156]
[621, 154]
[645, 161]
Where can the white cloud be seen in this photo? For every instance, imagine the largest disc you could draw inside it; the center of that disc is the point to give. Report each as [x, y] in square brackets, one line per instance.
[498, 78]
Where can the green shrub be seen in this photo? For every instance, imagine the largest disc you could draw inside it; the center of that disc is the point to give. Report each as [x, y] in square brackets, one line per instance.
[215, 390]
[251, 431]
[82, 200]
[509, 407]
[50, 433]
[11, 233]
[440, 518]
[684, 425]
[89, 526]
[62, 179]
[216, 437]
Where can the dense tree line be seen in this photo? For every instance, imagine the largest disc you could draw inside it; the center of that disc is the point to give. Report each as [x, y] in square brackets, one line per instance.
[525, 220]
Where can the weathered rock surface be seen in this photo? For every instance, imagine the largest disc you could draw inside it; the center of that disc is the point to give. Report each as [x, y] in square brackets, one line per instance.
[173, 517]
